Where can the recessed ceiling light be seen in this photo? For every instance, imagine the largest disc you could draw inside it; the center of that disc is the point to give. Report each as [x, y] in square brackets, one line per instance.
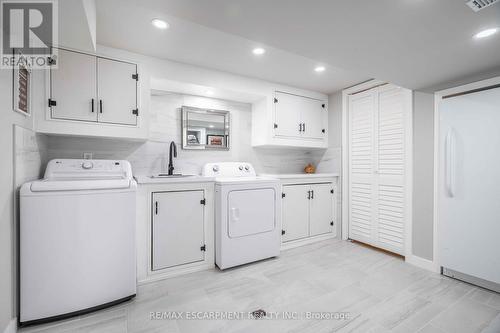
[319, 69]
[486, 33]
[258, 51]
[211, 126]
[160, 24]
[209, 92]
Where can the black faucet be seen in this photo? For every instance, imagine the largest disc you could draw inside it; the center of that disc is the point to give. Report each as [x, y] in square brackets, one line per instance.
[173, 148]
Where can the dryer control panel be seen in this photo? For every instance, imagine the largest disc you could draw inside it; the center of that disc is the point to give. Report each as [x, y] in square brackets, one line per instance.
[228, 169]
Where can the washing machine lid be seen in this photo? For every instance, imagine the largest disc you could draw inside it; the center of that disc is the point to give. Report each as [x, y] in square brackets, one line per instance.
[75, 174]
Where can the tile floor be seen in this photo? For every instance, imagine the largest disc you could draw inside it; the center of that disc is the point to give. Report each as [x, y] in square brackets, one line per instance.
[370, 291]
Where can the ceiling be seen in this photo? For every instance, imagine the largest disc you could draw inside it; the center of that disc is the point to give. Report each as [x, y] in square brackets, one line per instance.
[417, 44]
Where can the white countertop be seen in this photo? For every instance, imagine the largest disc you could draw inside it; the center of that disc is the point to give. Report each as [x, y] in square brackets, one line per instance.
[142, 179]
[301, 175]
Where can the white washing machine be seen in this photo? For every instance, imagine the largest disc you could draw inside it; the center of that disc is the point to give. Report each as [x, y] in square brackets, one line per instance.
[77, 239]
[247, 214]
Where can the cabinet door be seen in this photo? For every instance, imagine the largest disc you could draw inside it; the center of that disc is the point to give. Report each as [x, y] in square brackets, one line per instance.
[391, 128]
[73, 86]
[178, 228]
[362, 114]
[379, 123]
[295, 212]
[117, 92]
[287, 115]
[314, 118]
[321, 216]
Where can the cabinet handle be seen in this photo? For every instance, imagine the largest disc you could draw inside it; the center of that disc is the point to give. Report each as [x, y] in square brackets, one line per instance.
[92, 105]
[303, 127]
[156, 207]
[300, 127]
[312, 194]
[309, 195]
[100, 106]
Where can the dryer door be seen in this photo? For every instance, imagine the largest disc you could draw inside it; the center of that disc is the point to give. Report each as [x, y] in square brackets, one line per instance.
[251, 212]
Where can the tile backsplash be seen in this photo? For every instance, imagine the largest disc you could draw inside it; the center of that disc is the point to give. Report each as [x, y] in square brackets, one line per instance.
[151, 157]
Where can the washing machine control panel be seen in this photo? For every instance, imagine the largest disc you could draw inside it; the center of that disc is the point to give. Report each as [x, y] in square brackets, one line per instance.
[88, 169]
[228, 169]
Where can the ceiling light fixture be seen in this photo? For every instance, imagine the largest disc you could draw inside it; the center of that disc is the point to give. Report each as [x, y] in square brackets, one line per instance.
[258, 51]
[486, 33]
[160, 24]
[209, 92]
[319, 69]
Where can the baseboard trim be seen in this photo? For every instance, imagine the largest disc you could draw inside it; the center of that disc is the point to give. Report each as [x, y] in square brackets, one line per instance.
[12, 327]
[306, 241]
[422, 263]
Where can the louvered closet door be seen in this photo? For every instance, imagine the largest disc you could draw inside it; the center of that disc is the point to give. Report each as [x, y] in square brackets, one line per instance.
[390, 171]
[378, 125]
[361, 166]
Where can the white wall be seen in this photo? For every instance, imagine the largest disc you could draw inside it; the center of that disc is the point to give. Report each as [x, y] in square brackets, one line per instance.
[423, 174]
[165, 125]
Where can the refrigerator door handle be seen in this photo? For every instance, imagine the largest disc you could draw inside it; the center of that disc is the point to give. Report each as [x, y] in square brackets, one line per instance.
[450, 163]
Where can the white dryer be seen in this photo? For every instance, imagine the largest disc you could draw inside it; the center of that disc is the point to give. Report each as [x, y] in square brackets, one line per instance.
[77, 239]
[247, 214]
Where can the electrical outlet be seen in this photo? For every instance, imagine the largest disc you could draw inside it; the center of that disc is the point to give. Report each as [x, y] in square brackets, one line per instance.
[87, 156]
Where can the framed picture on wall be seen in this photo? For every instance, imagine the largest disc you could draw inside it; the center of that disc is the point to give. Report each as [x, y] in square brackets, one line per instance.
[22, 87]
[215, 140]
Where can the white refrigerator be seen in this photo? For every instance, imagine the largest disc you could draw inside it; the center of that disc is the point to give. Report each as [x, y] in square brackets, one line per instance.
[469, 187]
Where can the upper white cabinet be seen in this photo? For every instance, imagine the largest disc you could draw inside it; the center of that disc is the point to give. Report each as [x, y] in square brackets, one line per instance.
[73, 87]
[117, 92]
[291, 120]
[299, 117]
[92, 95]
[85, 87]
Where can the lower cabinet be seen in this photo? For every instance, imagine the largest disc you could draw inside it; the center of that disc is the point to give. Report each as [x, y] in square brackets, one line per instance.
[178, 235]
[308, 210]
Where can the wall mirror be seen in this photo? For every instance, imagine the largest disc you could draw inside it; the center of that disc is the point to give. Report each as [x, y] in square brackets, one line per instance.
[205, 128]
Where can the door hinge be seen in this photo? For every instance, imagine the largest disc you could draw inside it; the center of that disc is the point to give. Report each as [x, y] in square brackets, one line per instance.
[203, 248]
[275, 100]
[135, 77]
[331, 223]
[51, 61]
[323, 130]
[275, 125]
[323, 106]
[331, 191]
[203, 202]
[283, 195]
[156, 208]
[135, 111]
[52, 102]
[282, 232]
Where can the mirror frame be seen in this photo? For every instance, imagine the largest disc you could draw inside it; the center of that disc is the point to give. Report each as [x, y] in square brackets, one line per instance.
[184, 120]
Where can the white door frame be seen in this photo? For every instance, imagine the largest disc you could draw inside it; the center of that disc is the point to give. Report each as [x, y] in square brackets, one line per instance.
[438, 96]
[345, 163]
